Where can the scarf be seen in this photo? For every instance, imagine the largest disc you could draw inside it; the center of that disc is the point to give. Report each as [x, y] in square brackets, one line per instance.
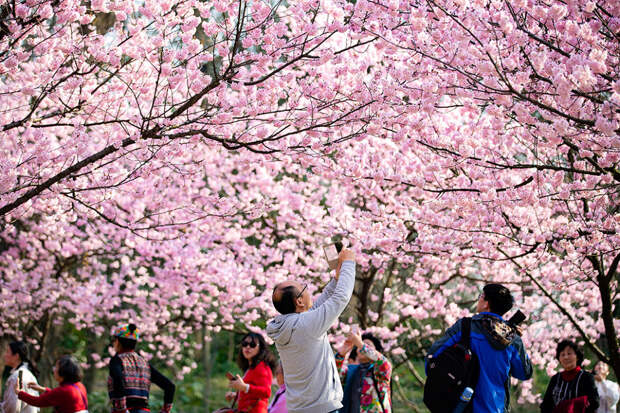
[569, 375]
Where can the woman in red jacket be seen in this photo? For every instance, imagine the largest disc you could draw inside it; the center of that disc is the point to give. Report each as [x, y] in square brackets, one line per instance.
[254, 389]
[68, 397]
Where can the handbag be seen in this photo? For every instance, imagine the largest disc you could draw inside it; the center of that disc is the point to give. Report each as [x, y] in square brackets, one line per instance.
[230, 409]
[575, 405]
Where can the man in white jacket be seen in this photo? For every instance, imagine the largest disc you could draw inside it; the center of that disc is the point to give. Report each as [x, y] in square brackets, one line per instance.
[16, 357]
[300, 334]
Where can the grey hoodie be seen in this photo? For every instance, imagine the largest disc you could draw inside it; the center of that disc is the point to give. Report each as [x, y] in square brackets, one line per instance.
[310, 374]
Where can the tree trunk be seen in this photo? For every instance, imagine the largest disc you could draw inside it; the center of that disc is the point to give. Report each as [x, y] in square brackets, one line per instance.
[231, 347]
[3, 344]
[604, 286]
[94, 345]
[206, 363]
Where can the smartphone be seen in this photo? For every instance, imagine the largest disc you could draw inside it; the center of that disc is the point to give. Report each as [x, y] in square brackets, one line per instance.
[20, 379]
[517, 318]
[331, 255]
[230, 376]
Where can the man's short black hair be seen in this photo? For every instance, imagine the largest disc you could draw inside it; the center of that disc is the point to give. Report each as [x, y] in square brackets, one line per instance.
[287, 297]
[69, 369]
[499, 298]
[568, 343]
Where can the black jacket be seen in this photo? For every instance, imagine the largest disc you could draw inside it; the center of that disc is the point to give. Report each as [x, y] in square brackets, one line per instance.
[559, 389]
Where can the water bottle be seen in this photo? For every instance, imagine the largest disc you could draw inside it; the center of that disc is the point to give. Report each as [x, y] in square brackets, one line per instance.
[464, 400]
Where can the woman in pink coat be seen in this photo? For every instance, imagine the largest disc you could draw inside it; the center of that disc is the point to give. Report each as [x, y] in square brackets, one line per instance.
[278, 404]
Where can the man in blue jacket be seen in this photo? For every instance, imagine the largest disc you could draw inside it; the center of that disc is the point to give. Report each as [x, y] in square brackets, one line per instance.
[498, 346]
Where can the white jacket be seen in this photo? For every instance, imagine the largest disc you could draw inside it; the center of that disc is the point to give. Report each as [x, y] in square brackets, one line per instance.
[10, 403]
[608, 394]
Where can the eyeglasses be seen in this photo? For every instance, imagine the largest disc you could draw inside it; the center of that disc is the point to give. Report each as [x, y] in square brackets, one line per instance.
[250, 344]
[302, 291]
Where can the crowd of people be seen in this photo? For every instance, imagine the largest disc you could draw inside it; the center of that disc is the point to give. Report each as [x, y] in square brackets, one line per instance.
[313, 378]
[129, 381]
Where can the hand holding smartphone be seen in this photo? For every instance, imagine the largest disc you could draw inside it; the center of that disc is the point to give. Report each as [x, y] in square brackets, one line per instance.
[331, 255]
[332, 252]
[230, 376]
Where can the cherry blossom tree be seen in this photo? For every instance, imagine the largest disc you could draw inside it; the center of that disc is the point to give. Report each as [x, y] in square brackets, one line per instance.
[134, 138]
[167, 79]
[509, 117]
[171, 163]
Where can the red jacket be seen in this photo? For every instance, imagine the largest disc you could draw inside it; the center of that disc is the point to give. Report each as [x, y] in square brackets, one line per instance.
[256, 399]
[66, 398]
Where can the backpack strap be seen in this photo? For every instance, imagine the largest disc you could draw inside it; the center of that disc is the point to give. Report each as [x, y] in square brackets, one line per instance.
[474, 373]
[466, 332]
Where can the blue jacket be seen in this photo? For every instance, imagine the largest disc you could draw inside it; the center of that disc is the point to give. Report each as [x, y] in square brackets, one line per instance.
[501, 354]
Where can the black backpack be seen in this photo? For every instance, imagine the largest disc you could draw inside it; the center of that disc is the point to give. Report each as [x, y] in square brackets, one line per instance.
[450, 372]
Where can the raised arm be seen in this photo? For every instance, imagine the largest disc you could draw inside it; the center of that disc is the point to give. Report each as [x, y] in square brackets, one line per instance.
[50, 398]
[383, 367]
[327, 292]
[329, 288]
[318, 321]
[340, 356]
[520, 364]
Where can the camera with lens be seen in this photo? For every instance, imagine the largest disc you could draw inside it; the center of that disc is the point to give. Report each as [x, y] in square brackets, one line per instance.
[517, 318]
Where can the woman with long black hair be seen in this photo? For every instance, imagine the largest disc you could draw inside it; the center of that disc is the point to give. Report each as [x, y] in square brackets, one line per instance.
[254, 388]
[17, 358]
